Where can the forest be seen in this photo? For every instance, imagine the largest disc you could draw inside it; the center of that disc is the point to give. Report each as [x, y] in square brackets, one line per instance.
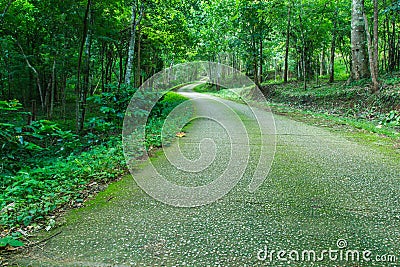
[69, 68]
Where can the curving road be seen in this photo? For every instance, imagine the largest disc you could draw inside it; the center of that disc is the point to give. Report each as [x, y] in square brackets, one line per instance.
[322, 192]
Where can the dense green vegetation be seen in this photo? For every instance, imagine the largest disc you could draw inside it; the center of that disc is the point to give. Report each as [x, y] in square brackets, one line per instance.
[69, 68]
[46, 169]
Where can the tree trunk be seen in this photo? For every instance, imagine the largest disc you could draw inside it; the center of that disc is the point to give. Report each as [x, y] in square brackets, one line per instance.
[333, 48]
[260, 73]
[303, 56]
[359, 69]
[53, 88]
[86, 77]
[80, 99]
[102, 58]
[255, 67]
[372, 56]
[135, 20]
[376, 40]
[322, 63]
[285, 74]
[138, 69]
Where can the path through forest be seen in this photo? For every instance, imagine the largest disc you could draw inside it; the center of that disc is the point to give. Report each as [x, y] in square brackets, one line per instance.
[322, 189]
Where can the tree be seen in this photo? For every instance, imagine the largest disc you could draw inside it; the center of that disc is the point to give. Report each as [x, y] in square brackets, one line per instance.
[286, 71]
[359, 67]
[82, 89]
[137, 13]
[372, 46]
[333, 48]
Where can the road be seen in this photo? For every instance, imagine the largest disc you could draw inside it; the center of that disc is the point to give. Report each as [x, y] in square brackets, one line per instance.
[323, 192]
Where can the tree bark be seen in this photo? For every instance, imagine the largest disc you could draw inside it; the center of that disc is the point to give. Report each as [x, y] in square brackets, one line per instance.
[286, 72]
[80, 99]
[333, 48]
[303, 61]
[376, 39]
[137, 14]
[322, 64]
[260, 74]
[53, 88]
[372, 56]
[359, 69]
[138, 69]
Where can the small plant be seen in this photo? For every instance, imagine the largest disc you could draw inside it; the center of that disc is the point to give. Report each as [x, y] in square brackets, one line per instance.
[10, 242]
[391, 119]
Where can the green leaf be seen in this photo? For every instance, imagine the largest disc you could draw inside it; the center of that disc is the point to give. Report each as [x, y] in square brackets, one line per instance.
[15, 243]
[4, 241]
[10, 241]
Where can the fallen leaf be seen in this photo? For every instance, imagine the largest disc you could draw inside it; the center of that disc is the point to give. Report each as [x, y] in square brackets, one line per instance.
[180, 134]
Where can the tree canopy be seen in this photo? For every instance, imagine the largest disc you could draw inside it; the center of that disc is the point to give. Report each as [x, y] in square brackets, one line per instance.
[55, 52]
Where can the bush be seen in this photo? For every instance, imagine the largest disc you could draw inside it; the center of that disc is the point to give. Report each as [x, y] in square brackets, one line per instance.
[31, 194]
[46, 168]
[30, 145]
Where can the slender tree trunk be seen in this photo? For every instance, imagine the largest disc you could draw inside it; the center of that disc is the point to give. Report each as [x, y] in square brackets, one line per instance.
[372, 57]
[260, 74]
[333, 48]
[121, 68]
[38, 83]
[376, 39]
[386, 43]
[80, 99]
[102, 58]
[53, 88]
[138, 69]
[322, 66]
[303, 56]
[286, 71]
[47, 96]
[359, 54]
[218, 73]
[86, 77]
[392, 50]
[137, 13]
[255, 67]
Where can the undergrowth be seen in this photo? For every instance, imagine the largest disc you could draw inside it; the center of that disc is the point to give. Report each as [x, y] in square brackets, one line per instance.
[46, 170]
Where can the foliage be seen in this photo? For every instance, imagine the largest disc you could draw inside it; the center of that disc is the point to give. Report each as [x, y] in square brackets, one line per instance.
[10, 241]
[31, 192]
[24, 145]
[111, 105]
[351, 103]
[155, 126]
[392, 118]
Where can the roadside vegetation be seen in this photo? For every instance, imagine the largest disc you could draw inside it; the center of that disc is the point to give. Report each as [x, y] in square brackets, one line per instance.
[46, 168]
[338, 105]
[64, 89]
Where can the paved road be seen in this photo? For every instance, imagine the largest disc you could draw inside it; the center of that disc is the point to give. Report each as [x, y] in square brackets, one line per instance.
[322, 188]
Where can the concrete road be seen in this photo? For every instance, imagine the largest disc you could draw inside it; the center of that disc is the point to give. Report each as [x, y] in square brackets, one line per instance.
[326, 201]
